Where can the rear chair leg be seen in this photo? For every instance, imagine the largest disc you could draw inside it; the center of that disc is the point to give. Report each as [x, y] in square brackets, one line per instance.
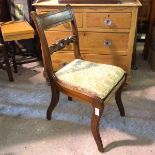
[69, 98]
[97, 113]
[53, 103]
[119, 101]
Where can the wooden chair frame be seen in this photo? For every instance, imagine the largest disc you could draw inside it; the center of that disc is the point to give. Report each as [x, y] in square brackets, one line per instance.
[43, 22]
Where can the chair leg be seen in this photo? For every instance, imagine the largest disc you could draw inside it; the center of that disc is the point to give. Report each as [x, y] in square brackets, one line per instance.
[69, 98]
[8, 68]
[9, 71]
[53, 103]
[13, 54]
[97, 113]
[119, 101]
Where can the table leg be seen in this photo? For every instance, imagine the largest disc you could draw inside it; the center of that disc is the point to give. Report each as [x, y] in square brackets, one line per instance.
[13, 55]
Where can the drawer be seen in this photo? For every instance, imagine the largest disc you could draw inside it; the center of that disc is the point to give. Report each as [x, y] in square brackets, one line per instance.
[67, 26]
[61, 59]
[104, 43]
[95, 42]
[53, 36]
[105, 20]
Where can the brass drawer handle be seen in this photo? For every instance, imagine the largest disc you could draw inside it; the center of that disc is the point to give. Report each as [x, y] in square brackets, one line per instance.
[107, 43]
[108, 22]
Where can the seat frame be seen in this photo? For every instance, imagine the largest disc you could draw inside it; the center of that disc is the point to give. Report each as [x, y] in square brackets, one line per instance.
[52, 19]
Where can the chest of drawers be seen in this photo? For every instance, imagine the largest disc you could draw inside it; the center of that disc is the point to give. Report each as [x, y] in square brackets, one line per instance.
[106, 32]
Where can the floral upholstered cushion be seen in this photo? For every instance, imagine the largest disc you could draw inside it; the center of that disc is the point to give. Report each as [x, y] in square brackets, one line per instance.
[97, 79]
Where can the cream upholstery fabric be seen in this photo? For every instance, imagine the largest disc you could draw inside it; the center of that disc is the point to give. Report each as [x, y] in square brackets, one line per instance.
[97, 79]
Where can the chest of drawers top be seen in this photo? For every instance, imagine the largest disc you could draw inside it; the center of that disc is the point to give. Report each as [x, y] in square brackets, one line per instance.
[56, 3]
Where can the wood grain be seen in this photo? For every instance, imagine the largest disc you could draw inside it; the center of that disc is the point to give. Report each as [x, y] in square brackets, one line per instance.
[17, 30]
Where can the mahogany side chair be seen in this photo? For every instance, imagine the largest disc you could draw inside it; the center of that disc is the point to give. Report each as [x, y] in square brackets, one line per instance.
[88, 81]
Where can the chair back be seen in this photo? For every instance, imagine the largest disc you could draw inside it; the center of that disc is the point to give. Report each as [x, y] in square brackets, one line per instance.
[50, 20]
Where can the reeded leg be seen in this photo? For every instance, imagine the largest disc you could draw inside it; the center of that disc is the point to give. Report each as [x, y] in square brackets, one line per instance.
[54, 102]
[69, 98]
[97, 113]
[119, 101]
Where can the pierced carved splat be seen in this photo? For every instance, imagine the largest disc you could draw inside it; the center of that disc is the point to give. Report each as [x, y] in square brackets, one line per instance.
[62, 43]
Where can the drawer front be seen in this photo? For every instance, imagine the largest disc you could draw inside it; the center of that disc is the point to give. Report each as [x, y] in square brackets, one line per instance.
[61, 59]
[53, 36]
[67, 26]
[96, 43]
[108, 20]
[104, 43]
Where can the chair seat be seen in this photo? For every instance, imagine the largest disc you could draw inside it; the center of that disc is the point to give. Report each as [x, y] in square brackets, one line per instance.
[93, 78]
